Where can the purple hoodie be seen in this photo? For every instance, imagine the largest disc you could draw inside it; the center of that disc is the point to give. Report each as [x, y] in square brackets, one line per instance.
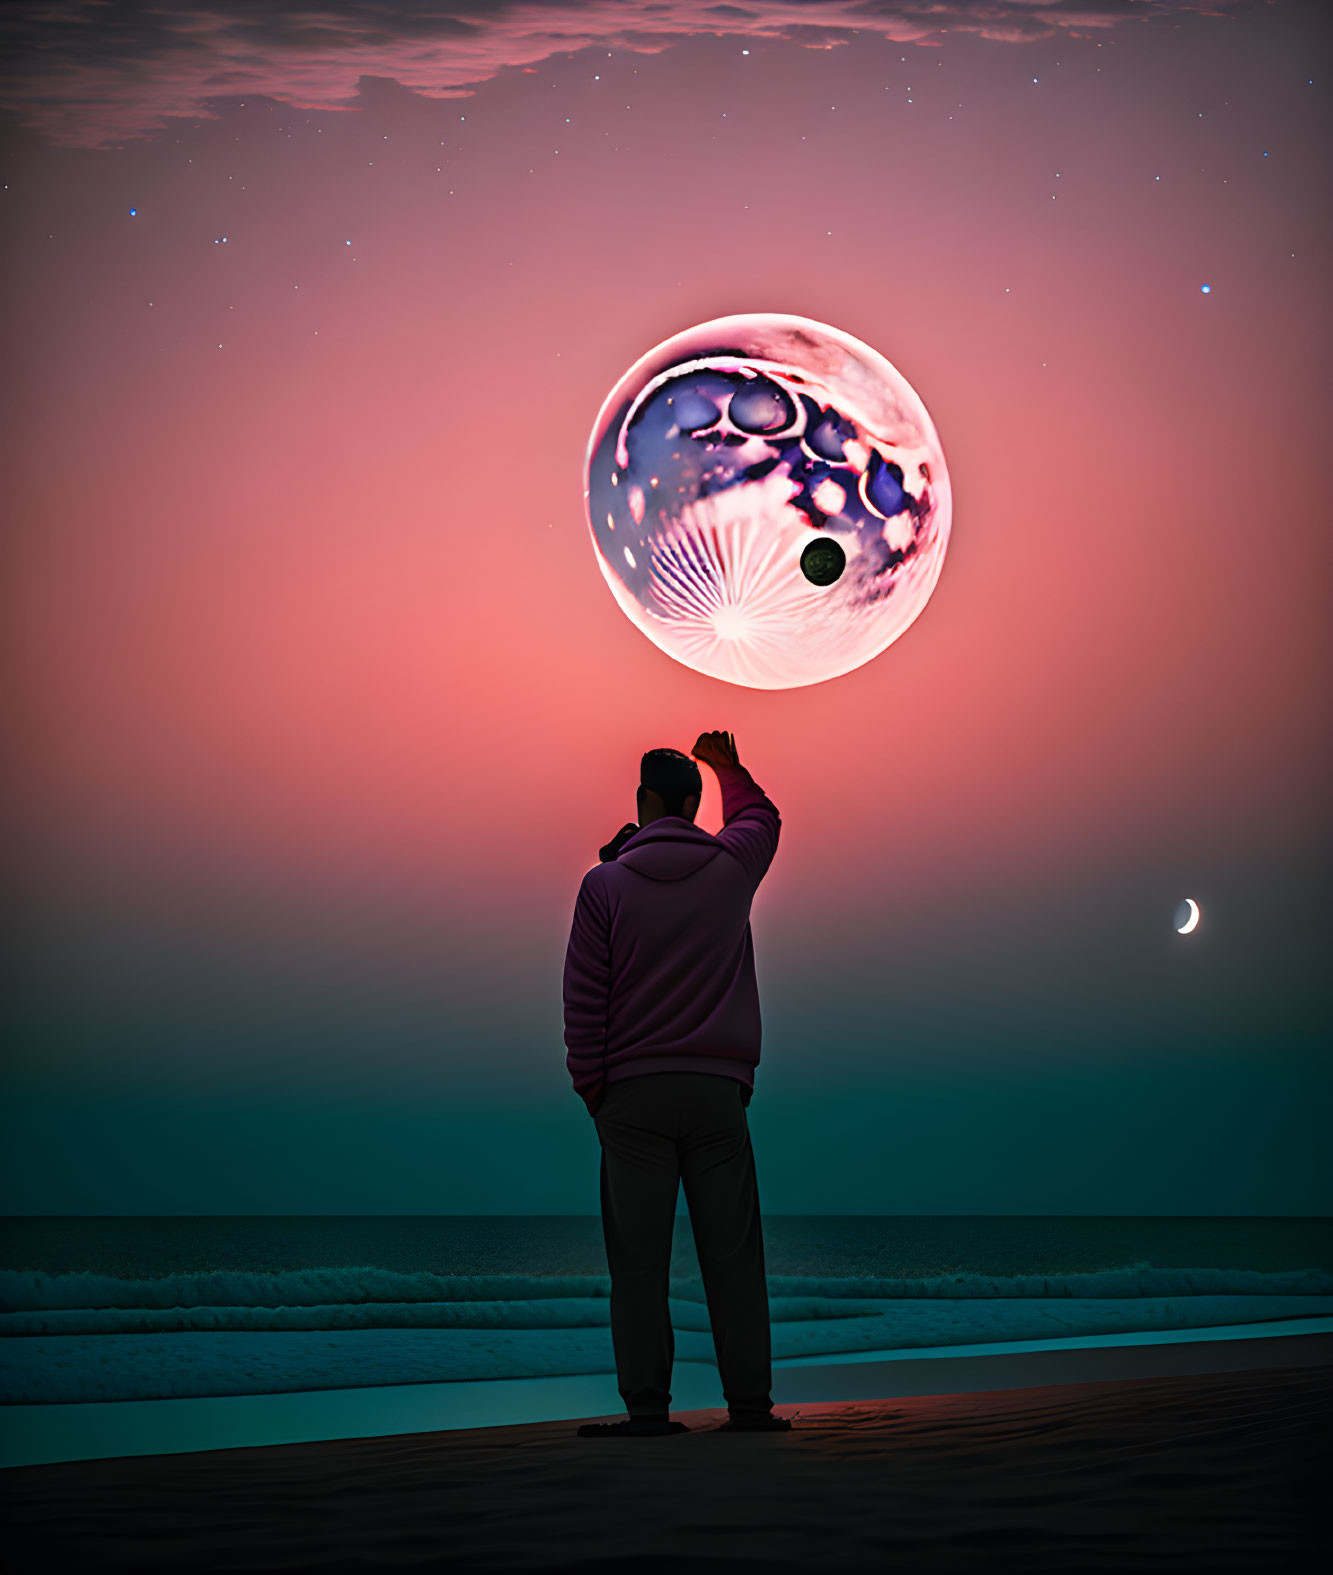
[659, 974]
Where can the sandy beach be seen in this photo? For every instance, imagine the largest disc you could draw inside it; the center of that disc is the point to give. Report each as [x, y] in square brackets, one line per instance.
[1219, 1471]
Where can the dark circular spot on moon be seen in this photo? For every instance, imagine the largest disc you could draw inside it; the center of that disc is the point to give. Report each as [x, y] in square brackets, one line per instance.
[762, 407]
[823, 561]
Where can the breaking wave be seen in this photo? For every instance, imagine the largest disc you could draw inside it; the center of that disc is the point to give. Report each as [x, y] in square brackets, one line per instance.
[332, 1290]
[87, 1337]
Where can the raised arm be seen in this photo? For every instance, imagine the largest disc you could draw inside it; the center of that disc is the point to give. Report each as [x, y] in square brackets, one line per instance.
[750, 820]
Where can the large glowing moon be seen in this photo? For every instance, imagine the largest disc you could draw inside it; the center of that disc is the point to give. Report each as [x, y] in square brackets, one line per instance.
[1187, 917]
[768, 500]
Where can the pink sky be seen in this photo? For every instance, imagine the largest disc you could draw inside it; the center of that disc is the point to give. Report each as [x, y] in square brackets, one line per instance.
[307, 633]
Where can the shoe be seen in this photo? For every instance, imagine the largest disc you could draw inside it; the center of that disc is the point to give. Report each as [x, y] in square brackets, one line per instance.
[756, 1424]
[632, 1427]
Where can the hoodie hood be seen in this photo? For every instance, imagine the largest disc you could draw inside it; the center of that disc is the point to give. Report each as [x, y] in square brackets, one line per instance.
[671, 848]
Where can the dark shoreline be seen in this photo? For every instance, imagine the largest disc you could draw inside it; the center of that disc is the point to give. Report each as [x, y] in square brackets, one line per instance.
[1221, 1471]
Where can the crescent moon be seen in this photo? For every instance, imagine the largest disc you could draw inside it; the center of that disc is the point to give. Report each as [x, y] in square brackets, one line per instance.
[1192, 923]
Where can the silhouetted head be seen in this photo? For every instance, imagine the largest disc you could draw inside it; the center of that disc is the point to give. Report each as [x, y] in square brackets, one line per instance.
[669, 784]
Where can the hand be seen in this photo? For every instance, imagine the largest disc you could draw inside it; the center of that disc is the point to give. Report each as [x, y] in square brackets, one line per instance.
[716, 749]
[612, 848]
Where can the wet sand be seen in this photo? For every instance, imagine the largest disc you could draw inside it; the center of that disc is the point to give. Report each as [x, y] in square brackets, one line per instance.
[1220, 1471]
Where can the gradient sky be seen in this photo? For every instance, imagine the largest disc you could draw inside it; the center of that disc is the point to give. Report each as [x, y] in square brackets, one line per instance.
[320, 706]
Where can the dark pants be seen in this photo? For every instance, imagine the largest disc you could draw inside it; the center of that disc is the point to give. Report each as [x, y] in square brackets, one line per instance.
[656, 1131]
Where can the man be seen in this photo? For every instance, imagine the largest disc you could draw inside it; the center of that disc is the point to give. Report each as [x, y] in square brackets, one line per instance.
[662, 1029]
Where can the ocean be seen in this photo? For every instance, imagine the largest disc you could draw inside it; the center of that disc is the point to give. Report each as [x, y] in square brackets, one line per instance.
[106, 1309]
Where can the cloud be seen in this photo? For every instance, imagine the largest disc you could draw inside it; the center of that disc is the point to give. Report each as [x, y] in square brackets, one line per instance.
[99, 73]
